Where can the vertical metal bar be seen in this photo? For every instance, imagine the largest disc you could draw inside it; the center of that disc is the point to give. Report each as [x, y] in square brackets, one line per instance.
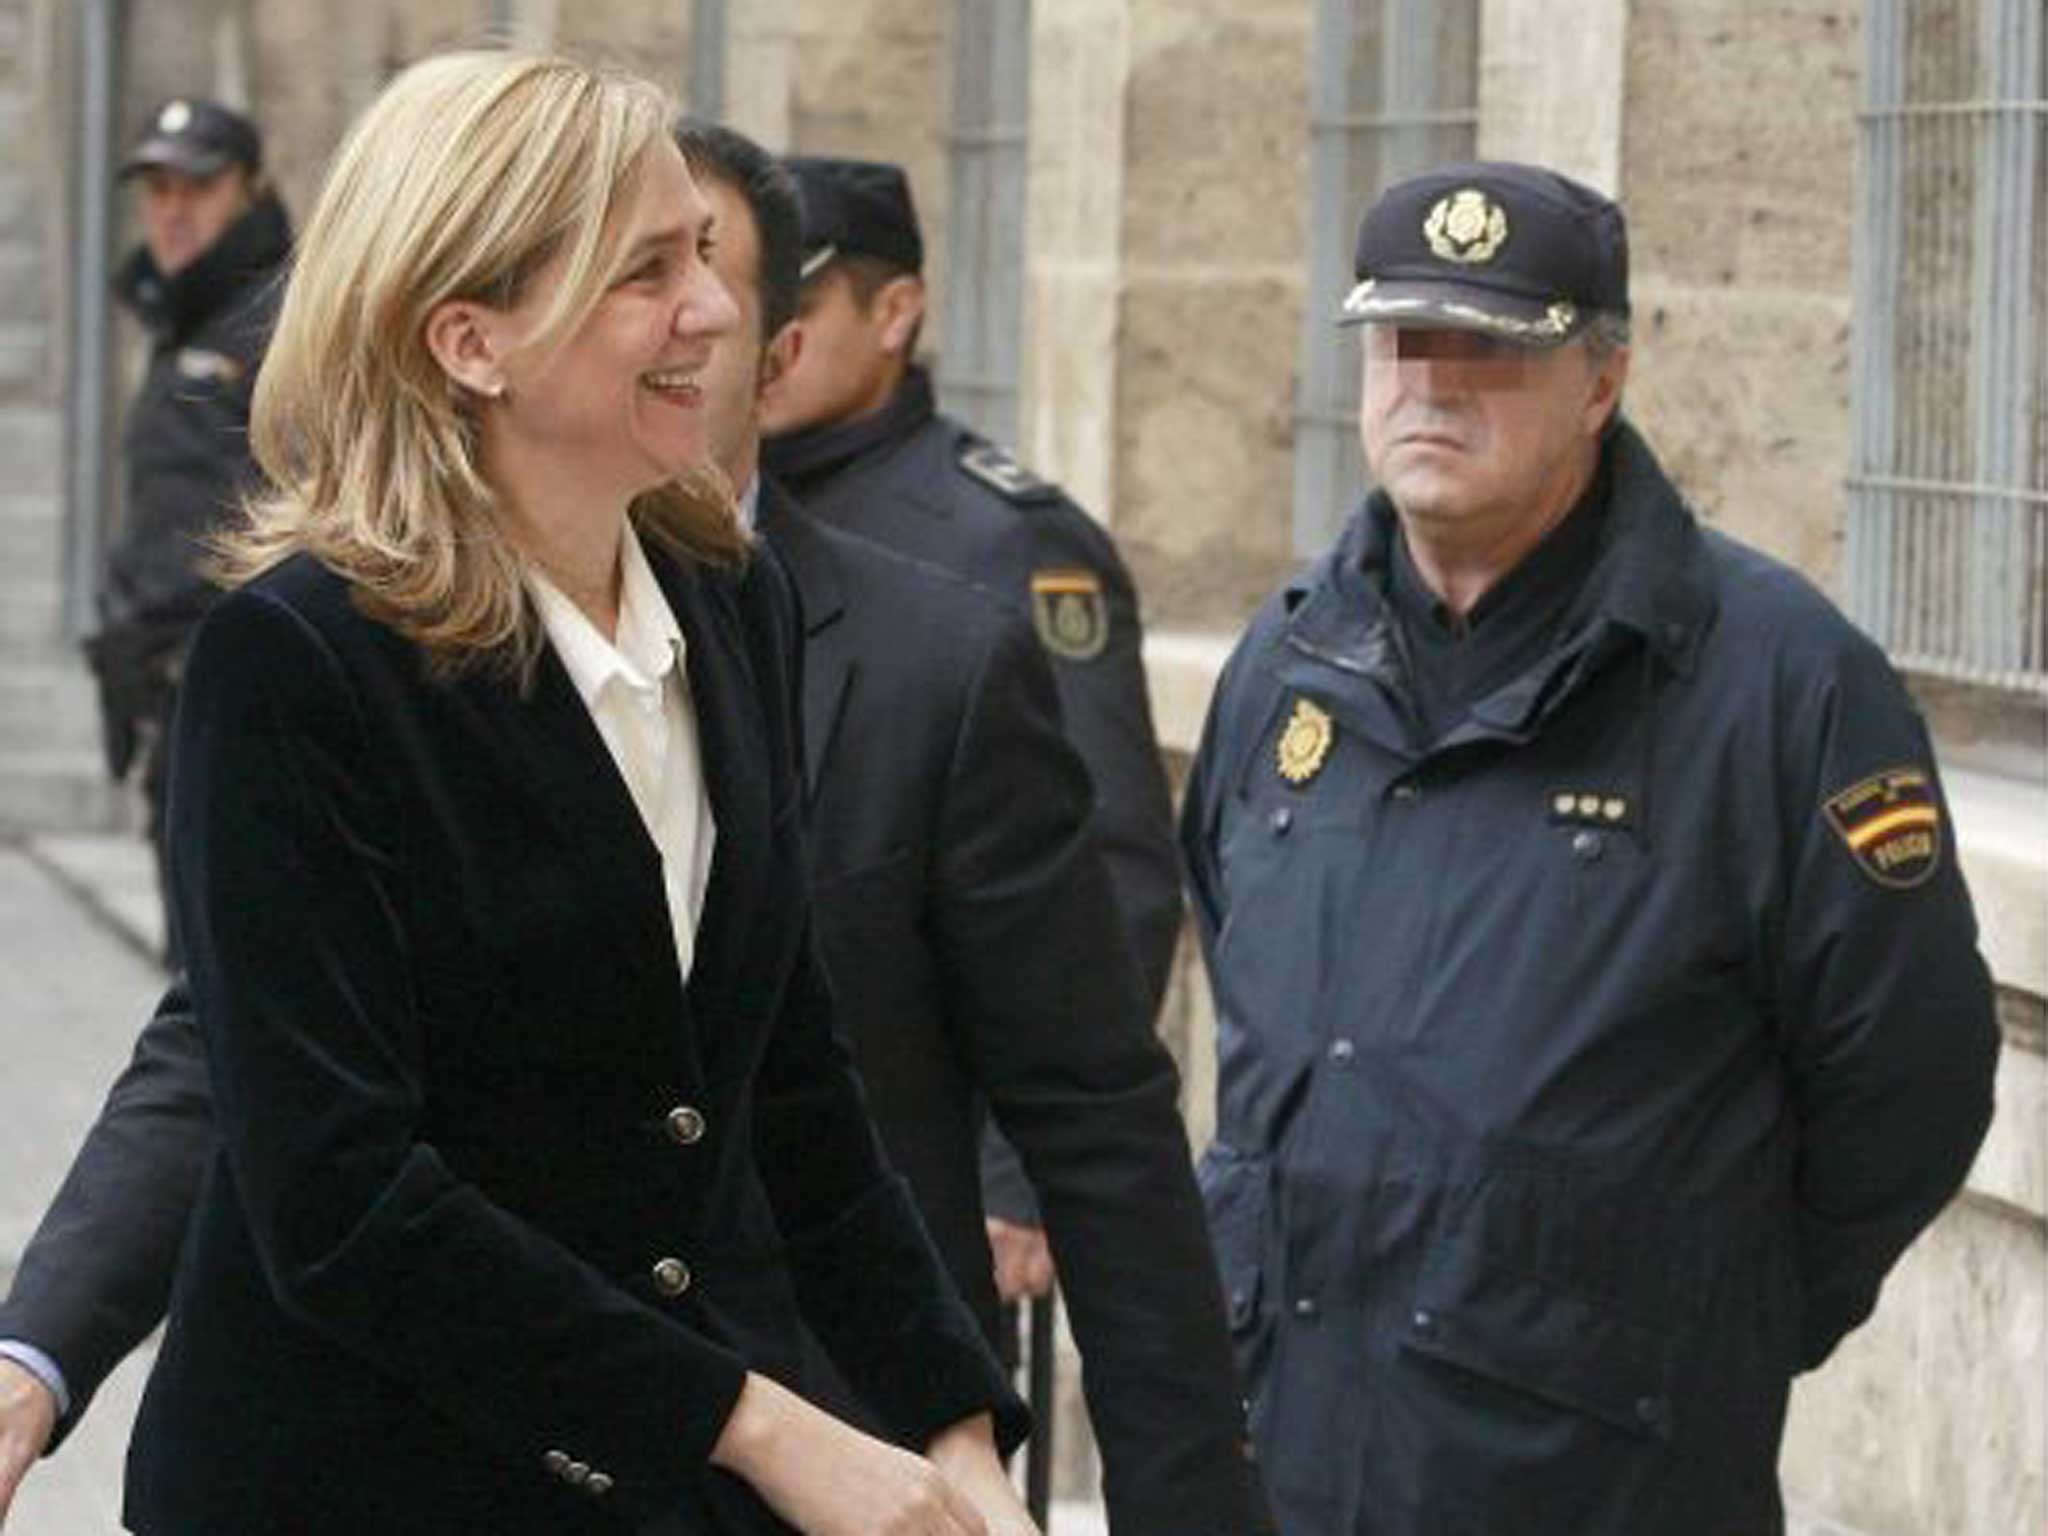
[707, 59]
[1318, 456]
[988, 178]
[1875, 261]
[86, 445]
[1038, 1462]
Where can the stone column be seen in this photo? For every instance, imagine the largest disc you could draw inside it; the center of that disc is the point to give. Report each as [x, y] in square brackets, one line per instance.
[1080, 70]
[1551, 91]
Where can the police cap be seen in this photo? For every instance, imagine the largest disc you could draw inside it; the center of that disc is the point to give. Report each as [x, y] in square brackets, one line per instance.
[856, 207]
[1514, 251]
[195, 137]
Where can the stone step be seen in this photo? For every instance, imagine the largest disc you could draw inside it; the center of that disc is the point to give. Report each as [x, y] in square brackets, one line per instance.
[31, 610]
[46, 790]
[48, 700]
[25, 360]
[24, 296]
[31, 451]
[31, 538]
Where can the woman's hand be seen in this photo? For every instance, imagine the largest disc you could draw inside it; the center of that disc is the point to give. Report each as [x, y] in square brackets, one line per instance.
[826, 1478]
[966, 1454]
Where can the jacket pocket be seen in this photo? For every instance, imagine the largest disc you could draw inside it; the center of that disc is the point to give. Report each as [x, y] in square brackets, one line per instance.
[1531, 1336]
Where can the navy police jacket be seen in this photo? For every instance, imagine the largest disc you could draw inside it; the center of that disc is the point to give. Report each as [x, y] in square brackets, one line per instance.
[1580, 1074]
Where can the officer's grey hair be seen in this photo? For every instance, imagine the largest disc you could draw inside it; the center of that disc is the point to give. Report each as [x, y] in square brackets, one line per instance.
[1606, 334]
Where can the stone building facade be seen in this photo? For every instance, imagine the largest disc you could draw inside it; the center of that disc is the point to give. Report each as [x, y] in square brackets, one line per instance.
[1171, 201]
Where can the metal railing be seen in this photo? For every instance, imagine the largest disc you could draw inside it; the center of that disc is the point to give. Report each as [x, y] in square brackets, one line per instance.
[988, 145]
[1394, 87]
[1947, 554]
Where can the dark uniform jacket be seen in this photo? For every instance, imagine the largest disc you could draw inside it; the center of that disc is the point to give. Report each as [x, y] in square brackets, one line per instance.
[186, 453]
[968, 928]
[186, 446]
[1583, 1070]
[501, 1212]
[921, 484]
[976, 954]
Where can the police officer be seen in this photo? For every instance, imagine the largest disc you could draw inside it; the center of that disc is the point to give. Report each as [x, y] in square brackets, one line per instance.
[213, 238]
[1599, 1011]
[856, 437]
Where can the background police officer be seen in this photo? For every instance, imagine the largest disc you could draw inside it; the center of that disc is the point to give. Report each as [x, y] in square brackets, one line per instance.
[856, 437]
[1599, 1011]
[213, 237]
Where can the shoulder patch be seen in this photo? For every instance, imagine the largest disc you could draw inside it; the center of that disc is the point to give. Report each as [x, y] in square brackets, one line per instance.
[1891, 826]
[994, 468]
[1069, 612]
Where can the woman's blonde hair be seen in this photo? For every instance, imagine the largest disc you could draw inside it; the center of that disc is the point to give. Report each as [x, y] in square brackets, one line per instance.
[467, 175]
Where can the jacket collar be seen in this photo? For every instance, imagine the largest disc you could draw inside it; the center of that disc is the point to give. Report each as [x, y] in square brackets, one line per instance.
[801, 459]
[810, 553]
[252, 248]
[1648, 586]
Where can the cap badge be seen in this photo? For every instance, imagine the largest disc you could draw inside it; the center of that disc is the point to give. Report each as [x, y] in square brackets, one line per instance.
[1305, 743]
[175, 118]
[1467, 227]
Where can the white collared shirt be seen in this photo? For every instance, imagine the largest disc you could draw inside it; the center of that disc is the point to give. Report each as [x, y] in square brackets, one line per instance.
[638, 694]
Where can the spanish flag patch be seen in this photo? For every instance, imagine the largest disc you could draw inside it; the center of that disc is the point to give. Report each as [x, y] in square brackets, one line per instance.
[1891, 826]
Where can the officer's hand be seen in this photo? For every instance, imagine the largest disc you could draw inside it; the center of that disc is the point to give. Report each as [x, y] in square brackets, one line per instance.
[28, 1417]
[1022, 1259]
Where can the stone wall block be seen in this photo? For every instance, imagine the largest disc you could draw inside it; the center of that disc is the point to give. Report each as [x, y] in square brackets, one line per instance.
[1741, 140]
[1929, 1419]
[1217, 140]
[1745, 397]
[1205, 438]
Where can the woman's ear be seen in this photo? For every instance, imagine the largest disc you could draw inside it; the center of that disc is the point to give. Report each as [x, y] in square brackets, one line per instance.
[460, 336]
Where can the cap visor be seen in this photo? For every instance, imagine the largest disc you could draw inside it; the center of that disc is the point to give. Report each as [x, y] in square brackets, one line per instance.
[168, 155]
[1455, 307]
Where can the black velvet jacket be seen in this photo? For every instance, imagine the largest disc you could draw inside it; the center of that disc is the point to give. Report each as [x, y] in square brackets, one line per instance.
[501, 1212]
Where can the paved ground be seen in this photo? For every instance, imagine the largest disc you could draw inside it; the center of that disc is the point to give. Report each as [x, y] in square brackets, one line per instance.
[74, 989]
[78, 922]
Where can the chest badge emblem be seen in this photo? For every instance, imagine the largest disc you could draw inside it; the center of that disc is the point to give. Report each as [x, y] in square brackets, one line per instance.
[1305, 743]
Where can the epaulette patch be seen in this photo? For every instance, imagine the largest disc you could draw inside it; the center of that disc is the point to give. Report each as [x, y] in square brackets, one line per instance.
[1891, 826]
[1070, 612]
[994, 468]
[208, 367]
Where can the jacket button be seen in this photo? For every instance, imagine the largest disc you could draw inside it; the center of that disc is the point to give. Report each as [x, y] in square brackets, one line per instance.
[685, 1125]
[1424, 1320]
[1282, 820]
[1587, 846]
[598, 1486]
[1650, 1409]
[557, 1462]
[1341, 1051]
[576, 1473]
[1407, 790]
[671, 1276]
[1305, 1306]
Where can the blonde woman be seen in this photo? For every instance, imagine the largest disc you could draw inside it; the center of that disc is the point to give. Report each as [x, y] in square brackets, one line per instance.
[537, 1149]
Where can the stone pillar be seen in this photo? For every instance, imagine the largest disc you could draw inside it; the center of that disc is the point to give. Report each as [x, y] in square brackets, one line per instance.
[1215, 183]
[1080, 70]
[760, 70]
[1552, 92]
